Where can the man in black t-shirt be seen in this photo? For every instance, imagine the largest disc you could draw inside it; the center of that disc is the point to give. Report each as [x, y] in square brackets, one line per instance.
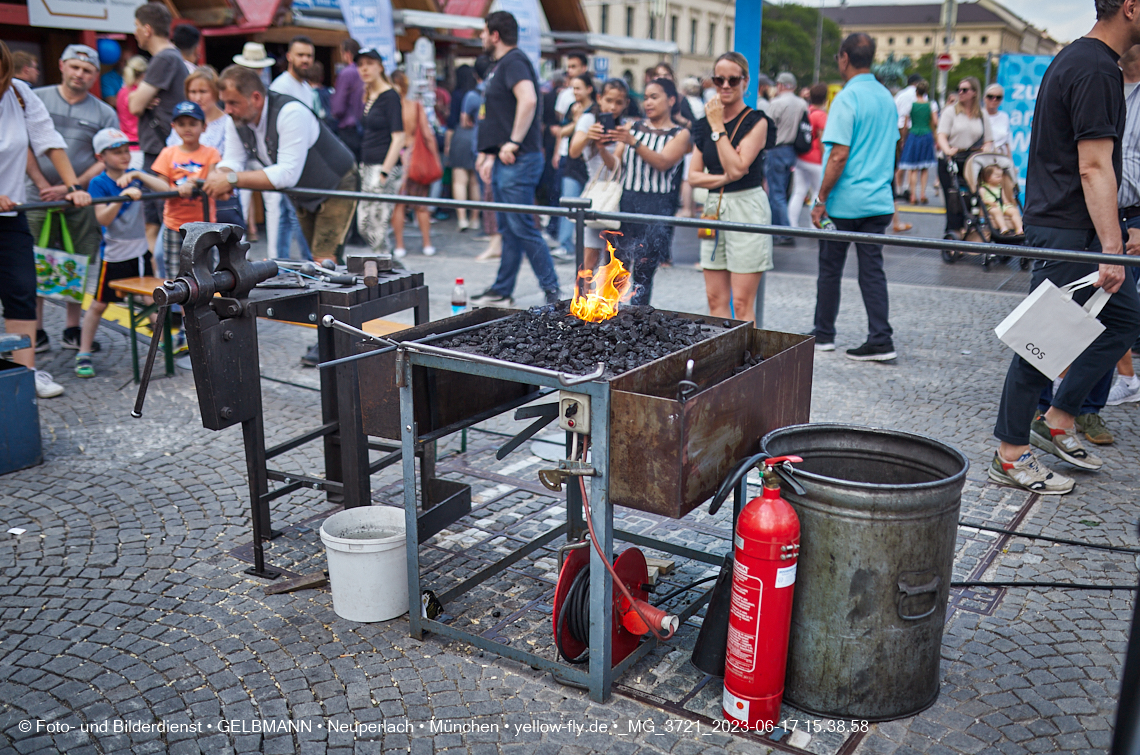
[510, 158]
[1070, 203]
[162, 87]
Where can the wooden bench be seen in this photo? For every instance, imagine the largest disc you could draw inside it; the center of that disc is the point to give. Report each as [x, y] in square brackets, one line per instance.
[144, 287]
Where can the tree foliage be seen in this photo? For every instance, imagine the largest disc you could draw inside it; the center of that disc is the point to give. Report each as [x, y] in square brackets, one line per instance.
[787, 43]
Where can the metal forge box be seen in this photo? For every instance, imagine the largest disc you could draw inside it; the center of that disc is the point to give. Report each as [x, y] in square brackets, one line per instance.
[667, 455]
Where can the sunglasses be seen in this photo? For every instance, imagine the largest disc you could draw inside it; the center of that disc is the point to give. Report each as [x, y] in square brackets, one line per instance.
[963, 90]
[732, 81]
[993, 97]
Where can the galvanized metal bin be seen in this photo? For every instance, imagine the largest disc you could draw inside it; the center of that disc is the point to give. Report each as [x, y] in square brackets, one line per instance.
[878, 524]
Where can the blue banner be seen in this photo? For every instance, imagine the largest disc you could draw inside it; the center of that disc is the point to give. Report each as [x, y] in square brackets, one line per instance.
[369, 22]
[1020, 76]
[526, 13]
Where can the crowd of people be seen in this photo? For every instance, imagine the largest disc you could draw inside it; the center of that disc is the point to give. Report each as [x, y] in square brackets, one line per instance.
[215, 137]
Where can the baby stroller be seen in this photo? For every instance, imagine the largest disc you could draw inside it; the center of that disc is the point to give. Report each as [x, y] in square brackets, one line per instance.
[979, 226]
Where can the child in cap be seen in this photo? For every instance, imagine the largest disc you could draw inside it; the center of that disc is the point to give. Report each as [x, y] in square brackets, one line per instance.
[181, 165]
[123, 251]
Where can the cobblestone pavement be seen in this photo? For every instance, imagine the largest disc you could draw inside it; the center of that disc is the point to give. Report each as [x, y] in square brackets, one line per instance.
[122, 602]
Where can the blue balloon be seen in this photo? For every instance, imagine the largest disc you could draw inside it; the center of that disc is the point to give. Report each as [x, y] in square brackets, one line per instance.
[109, 52]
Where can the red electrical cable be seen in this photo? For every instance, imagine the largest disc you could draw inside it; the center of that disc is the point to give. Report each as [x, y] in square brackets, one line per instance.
[598, 548]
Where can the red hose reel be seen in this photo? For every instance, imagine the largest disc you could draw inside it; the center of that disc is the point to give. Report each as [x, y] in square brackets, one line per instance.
[571, 614]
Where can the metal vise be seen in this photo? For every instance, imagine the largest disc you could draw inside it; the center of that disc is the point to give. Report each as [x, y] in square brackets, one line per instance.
[220, 333]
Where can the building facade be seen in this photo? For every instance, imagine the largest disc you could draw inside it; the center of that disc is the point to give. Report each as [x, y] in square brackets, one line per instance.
[983, 27]
[702, 29]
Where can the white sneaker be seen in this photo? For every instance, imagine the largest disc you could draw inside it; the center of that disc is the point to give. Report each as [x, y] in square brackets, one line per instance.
[400, 252]
[560, 254]
[1124, 390]
[429, 251]
[45, 386]
[1028, 473]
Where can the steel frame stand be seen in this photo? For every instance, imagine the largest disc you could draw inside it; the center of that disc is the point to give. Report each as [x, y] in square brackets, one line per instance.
[598, 678]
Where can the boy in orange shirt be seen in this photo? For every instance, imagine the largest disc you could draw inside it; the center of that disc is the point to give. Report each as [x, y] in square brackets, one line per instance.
[181, 166]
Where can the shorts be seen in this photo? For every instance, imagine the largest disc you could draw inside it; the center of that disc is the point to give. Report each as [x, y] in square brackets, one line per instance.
[139, 267]
[17, 269]
[736, 251]
[413, 189]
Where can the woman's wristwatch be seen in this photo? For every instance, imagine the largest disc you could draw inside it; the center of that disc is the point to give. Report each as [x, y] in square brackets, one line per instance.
[75, 187]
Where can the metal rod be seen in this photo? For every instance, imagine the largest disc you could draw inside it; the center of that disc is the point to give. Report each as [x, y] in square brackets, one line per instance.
[331, 322]
[563, 378]
[63, 203]
[300, 440]
[938, 245]
[501, 565]
[676, 550]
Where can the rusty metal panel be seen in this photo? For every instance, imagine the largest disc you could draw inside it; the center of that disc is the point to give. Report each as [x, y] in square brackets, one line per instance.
[667, 457]
[442, 398]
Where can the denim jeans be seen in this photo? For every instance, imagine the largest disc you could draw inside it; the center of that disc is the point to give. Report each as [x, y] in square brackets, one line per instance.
[781, 160]
[1121, 320]
[287, 227]
[570, 189]
[516, 184]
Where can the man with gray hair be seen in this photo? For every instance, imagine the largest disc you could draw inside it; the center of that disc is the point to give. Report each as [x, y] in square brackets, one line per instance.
[78, 115]
[787, 109]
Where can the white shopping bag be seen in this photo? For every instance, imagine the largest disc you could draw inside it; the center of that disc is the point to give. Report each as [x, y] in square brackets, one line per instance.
[1049, 330]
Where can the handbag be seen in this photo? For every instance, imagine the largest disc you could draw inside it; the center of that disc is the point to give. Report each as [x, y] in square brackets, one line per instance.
[60, 273]
[424, 166]
[710, 233]
[1049, 330]
[605, 196]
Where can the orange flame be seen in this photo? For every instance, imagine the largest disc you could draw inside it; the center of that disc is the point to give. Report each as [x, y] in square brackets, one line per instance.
[604, 290]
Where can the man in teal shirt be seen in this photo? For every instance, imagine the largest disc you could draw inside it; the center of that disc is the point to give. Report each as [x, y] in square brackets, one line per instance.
[859, 141]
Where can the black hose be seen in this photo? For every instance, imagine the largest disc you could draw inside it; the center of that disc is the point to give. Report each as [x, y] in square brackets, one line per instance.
[1061, 540]
[1068, 585]
[575, 616]
[685, 588]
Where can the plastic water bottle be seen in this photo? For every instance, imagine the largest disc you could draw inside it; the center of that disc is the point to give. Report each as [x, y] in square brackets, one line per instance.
[458, 297]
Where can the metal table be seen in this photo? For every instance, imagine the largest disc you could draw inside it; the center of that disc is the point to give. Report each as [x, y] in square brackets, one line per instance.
[598, 677]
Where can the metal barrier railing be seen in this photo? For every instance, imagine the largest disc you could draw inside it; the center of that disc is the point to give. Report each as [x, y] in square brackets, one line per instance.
[579, 210]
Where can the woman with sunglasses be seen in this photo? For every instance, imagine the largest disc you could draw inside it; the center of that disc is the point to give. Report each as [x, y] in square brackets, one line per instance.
[726, 161]
[999, 121]
[962, 130]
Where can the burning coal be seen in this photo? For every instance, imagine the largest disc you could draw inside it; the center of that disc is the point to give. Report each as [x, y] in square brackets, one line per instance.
[553, 338]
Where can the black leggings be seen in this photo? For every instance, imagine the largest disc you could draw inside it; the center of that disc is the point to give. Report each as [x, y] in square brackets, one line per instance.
[955, 217]
[644, 247]
[17, 269]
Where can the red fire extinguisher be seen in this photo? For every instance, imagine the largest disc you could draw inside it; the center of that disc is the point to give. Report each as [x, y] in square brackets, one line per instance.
[766, 550]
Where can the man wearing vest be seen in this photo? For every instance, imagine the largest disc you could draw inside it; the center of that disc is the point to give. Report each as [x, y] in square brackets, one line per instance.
[297, 150]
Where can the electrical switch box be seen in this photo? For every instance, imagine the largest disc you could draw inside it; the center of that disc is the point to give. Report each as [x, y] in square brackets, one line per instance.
[574, 412]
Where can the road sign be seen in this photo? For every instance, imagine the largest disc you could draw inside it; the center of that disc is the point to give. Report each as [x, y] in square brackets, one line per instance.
[601, 66]
[945, 62]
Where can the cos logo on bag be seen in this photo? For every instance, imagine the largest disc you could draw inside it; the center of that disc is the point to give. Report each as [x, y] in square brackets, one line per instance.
[1035, 351]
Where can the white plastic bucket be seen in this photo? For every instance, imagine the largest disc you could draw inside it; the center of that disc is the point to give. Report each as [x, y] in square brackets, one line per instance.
[368, 567]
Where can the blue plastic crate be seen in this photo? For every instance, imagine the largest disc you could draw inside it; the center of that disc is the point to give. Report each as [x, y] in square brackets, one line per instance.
[19, 418]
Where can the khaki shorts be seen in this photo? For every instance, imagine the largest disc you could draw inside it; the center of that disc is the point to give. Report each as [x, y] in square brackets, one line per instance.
[735, 251]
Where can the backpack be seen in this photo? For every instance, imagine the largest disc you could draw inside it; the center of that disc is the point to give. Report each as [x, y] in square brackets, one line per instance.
[803, 140]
